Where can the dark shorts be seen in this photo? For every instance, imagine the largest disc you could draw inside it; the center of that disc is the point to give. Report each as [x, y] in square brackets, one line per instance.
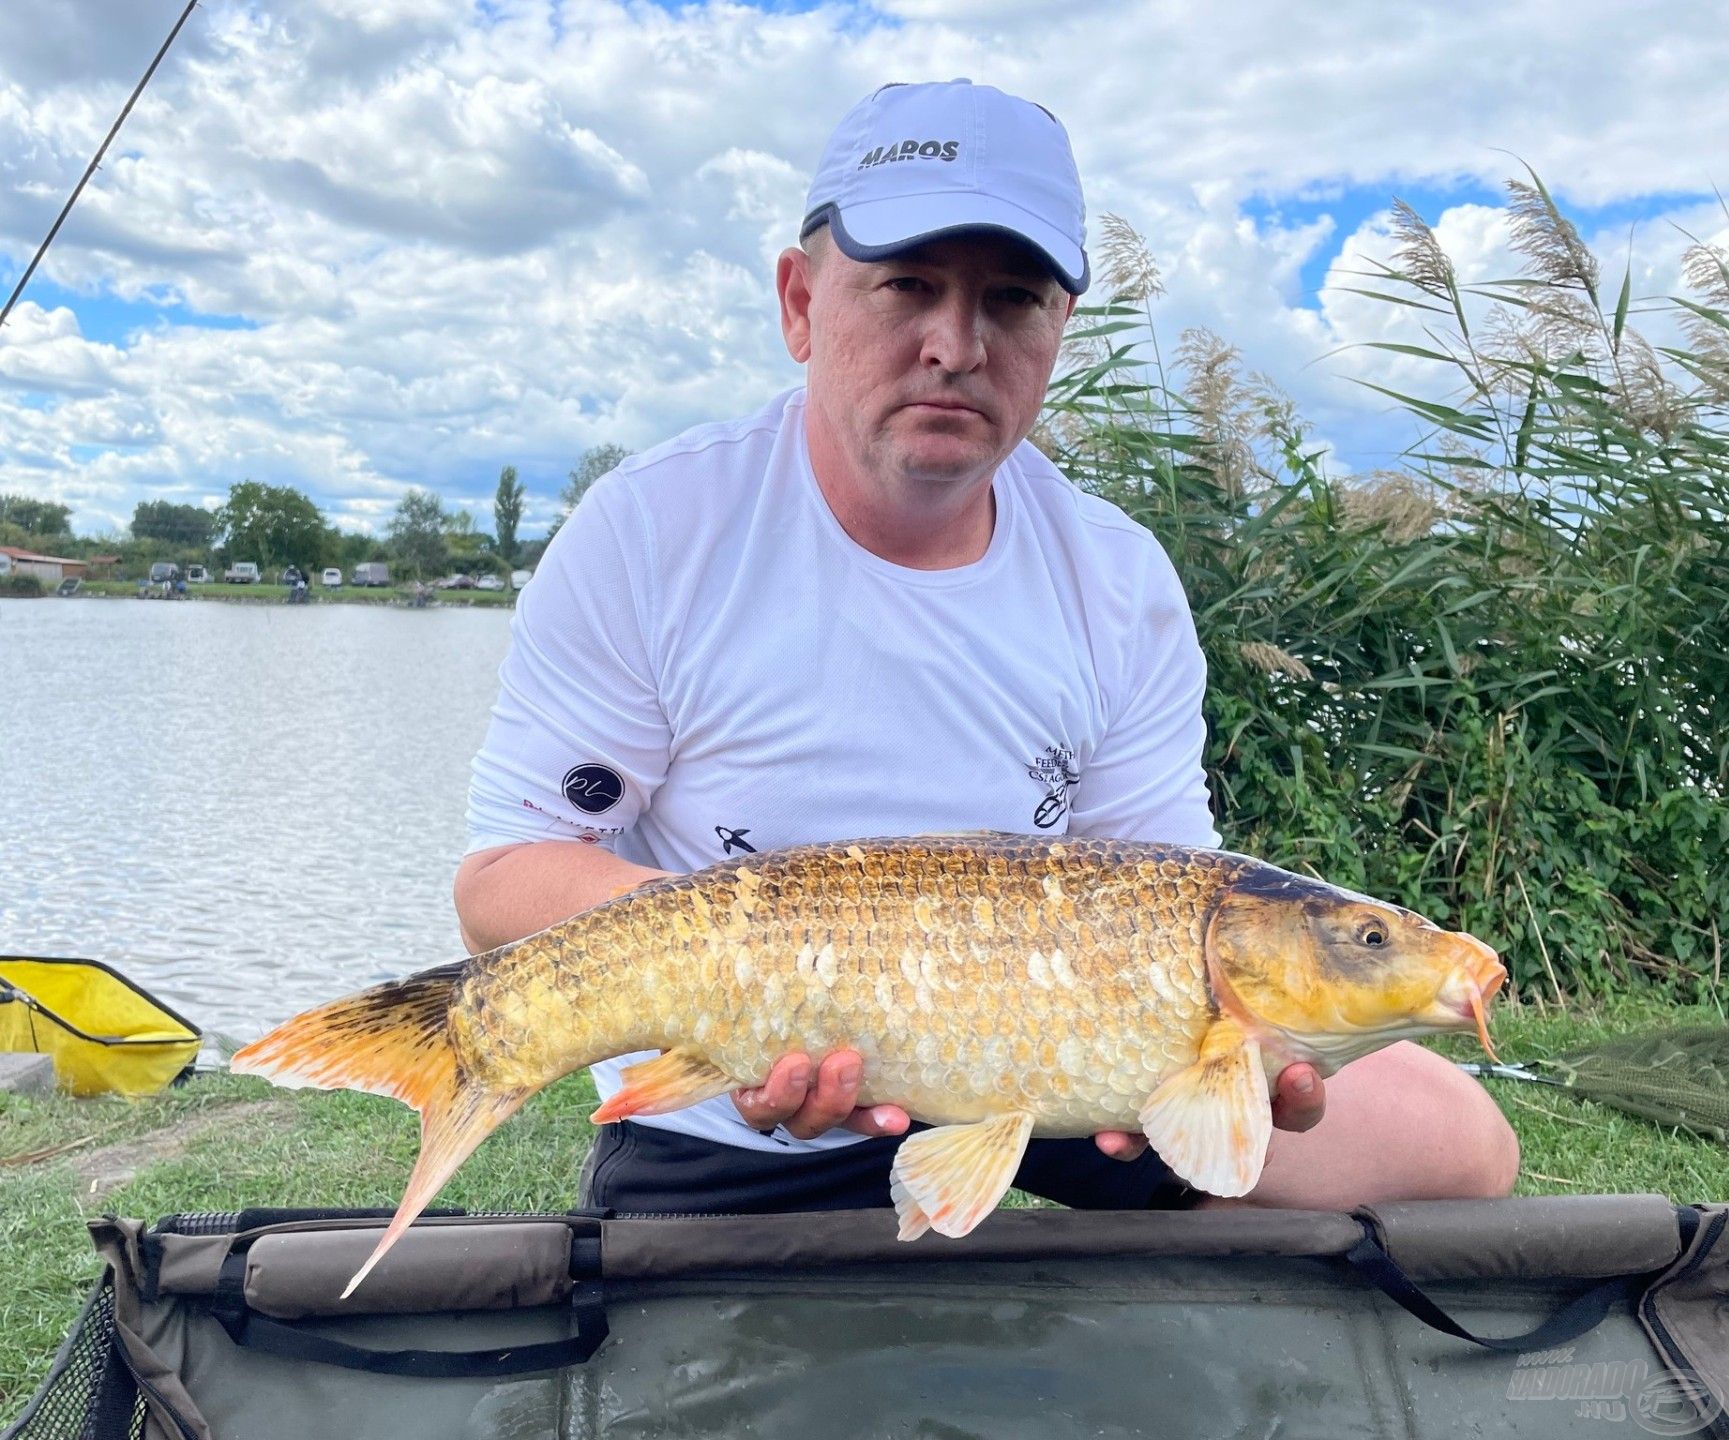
[641, 1169]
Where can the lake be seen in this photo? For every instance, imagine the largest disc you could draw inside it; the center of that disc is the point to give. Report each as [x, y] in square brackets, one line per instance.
[248, 809]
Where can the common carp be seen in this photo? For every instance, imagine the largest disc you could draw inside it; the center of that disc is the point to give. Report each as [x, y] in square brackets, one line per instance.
[996, 986]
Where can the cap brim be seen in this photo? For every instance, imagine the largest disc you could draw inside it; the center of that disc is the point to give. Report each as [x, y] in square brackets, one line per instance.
[880, 229]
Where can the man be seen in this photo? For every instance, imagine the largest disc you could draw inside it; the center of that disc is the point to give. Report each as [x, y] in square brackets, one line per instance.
[873, 609]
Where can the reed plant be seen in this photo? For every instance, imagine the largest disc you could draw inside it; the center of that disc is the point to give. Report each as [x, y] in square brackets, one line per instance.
[1489, 682]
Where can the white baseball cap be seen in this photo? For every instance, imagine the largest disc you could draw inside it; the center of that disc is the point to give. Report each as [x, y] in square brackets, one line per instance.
[914, 162]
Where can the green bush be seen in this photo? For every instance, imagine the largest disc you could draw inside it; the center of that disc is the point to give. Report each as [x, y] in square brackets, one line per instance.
[19, 584]
[1491, 683]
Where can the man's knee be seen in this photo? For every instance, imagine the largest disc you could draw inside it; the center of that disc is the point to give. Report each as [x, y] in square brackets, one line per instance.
[1497, 1149]
[1504, 1168]
[1484, 1149]
[1400, 1124]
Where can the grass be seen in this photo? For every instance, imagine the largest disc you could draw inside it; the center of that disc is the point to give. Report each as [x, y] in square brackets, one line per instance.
[278, 594]
[225, 1142]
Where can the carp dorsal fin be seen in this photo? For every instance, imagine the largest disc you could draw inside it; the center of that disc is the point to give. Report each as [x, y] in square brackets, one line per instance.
[1211, 1122]
[950, 1178]
[667, 1082]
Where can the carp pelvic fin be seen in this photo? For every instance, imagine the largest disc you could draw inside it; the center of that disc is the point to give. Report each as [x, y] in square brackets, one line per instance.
[1211, 1121]
[667, 1082]
[950, 1178]
[391, 1040]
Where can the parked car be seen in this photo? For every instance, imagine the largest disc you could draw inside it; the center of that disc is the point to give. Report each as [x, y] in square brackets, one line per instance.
[293, 575]
[197, 575]
[241, 572]
[519, 578]
[373, 572]
[454, 582]
[164, 570]
[489, 582]
[331, 577]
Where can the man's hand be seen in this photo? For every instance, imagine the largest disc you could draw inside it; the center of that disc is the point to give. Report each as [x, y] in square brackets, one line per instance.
[809, 1099]
[1298, 1104]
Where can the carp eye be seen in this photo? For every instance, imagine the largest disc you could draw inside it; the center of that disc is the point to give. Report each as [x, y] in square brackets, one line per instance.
[1374, 935]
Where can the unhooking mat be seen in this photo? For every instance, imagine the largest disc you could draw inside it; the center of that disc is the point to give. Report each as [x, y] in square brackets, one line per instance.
[1580, 1316]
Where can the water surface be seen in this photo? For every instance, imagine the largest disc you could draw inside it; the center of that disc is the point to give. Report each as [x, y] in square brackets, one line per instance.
[249, 808]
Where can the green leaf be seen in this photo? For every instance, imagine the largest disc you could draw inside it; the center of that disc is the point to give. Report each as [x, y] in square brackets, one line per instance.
[1621, 305]
[1390, 299]
[1416, 350]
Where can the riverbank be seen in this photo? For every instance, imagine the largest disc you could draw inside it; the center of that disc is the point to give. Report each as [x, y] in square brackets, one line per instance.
[224, 1142]
[278, 594]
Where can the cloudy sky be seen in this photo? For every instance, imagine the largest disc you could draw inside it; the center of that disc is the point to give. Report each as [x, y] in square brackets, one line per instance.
[357, 245]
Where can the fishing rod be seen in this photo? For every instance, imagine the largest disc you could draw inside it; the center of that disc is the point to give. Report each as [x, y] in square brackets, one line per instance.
[90, 169]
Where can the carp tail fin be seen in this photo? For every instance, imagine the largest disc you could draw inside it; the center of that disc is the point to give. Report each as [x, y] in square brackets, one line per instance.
[452, 1124]
[394, 1040]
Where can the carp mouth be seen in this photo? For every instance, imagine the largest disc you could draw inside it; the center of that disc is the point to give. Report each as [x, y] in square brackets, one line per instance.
[1469, 988]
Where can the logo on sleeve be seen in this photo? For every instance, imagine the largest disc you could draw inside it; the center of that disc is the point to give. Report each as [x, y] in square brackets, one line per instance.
[593, 789]
[1055, 770]
[730, 838]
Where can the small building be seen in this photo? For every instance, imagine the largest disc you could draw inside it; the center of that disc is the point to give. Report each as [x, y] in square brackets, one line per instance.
[49, 569]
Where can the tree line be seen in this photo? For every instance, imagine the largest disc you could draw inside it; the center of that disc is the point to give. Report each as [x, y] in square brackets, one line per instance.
[276, 526]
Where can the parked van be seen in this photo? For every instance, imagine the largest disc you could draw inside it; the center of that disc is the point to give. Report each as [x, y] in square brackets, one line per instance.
[241, 572]
[197, 575]
[331, 577]
[373, 572]
[519, 578]
[164, 570]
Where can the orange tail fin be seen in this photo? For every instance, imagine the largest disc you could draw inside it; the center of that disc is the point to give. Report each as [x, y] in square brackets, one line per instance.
[391, 1040]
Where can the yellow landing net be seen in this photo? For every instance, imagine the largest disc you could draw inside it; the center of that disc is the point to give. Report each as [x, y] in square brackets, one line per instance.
[104, 1033]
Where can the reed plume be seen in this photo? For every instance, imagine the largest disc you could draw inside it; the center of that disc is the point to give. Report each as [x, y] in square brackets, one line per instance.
[1419, 257]
[1549, 240]
[1130, 273]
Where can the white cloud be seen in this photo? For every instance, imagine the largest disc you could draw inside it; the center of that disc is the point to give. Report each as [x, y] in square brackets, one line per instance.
[466, 236]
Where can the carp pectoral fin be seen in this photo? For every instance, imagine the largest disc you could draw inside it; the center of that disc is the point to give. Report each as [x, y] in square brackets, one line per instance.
[1211, 1121]
[667, 1082]
[950, 1178]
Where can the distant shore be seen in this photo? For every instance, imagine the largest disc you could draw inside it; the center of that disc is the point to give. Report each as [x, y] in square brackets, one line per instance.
[320, 595]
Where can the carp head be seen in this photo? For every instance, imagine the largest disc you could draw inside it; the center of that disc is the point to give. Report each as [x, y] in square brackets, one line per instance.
[1339, 974]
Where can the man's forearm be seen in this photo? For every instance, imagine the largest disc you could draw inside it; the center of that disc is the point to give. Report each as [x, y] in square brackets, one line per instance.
[515, 890]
